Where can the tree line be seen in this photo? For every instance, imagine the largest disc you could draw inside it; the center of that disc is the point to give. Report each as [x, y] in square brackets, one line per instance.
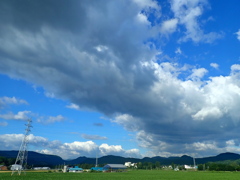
[221, 166]
[6, 161]
[228, 165]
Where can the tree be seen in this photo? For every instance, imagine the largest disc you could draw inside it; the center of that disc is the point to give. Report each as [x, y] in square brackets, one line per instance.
[157, 165]
[139, 165]
[200, 167]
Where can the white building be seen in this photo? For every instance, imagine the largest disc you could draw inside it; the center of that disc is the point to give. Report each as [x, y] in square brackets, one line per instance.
[16, 167]
[190, 167]
[41, 168]
[129, 164]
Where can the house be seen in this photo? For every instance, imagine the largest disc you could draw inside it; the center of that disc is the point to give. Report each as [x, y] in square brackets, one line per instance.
[76, 169]
[3, 168]
[114, 167]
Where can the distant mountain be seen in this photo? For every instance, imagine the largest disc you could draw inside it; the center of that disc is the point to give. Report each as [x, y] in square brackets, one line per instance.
[38, 159]
[110, 159]
[220, 157]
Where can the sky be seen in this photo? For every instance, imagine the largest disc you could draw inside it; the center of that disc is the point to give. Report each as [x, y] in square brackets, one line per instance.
[134, 78]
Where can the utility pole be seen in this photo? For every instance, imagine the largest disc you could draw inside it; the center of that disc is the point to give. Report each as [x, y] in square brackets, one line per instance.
[96, 165]
[21, 160]
[194, 163]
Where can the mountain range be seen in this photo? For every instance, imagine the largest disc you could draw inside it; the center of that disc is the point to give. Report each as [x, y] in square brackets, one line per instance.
[38, 159]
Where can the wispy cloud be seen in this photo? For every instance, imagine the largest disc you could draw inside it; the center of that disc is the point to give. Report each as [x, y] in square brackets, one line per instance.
[11, 100]
[188, 12]
[21, 115]
[73, 106]
[98, 124]
[50, 119]
[178, 51]
[214, 65]
[169, 26]
[3, 123]
[238, 34]
[93, 137]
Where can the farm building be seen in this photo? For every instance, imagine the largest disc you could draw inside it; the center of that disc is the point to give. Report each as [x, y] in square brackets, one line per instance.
[76, 169]
[96, 169]
[114, 167]
[3, 168]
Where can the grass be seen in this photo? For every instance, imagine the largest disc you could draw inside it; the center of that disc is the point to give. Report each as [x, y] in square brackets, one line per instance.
[131, 175]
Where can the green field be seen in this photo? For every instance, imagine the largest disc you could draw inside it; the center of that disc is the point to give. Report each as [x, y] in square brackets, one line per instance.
[130, 175]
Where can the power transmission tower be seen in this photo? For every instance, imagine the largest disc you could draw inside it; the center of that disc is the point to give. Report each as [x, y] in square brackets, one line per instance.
[21, 160]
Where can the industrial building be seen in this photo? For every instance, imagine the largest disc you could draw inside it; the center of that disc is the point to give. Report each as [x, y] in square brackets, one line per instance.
[76, 169]
[114, 168]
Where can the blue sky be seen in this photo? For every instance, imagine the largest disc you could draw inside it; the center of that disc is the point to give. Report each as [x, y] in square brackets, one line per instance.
[132, 78]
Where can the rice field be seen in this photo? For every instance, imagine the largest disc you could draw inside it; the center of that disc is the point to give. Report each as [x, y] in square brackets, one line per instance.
[130, 175]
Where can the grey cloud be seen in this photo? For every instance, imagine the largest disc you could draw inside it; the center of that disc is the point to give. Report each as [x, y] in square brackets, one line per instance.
[98, 124]
[71, 60]
[32, 15]
[93, 137]
[3, 123]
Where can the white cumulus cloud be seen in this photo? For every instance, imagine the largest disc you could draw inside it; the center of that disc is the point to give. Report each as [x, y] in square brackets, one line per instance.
[238, 34]
[169, 26]
[11, 100]
[214, 65]
[21, 115]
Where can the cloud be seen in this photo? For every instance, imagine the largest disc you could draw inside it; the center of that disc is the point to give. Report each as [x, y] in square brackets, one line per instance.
[3, 123]
[95, 56]
[235, 68]
[73, 106]
[93, 137]
[169, 26]
[147, 4]
[132, 123]
[238, 34]
[98, 124]
[11, 141]
[106, 149]
[188, 12]
[214, 65]
[65, 150]
[198, 73]
[21, 115]
[178, 51]
[50, 119]
[11, 100]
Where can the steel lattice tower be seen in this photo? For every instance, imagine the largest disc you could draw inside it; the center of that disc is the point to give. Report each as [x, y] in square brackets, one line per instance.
[21, 160]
